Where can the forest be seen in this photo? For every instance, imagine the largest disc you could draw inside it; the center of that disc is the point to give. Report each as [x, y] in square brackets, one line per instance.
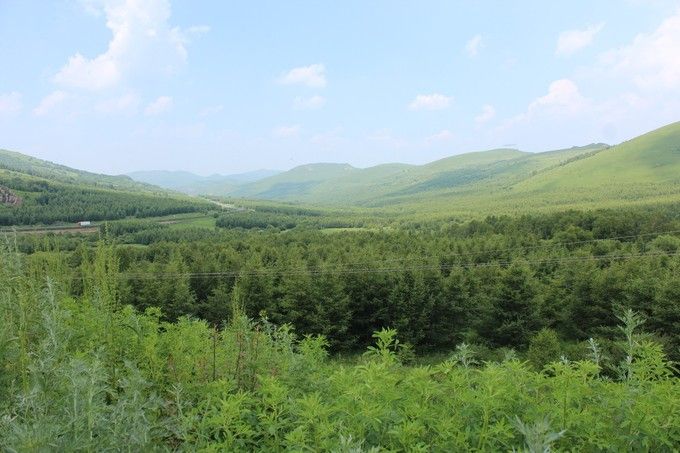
[85, 367]
[283, 327]
[496, 282]
[48, 202]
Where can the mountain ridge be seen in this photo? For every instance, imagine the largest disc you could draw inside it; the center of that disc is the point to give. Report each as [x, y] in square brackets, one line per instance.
[643, 169]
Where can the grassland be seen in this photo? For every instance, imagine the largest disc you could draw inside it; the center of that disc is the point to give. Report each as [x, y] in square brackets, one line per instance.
[640, 171]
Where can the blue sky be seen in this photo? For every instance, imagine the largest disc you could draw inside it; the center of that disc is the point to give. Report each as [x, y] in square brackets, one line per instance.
[121, 85]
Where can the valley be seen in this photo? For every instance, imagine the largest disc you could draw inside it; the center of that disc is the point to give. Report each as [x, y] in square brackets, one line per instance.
[345, 227]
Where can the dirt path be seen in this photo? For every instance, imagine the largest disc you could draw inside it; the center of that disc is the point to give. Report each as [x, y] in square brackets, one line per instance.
[225, 205]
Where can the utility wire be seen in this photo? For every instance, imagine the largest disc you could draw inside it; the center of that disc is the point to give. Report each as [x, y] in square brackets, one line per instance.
[378, 270]
[344, 267]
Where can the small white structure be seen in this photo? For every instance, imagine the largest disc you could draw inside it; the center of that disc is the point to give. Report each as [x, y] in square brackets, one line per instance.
[85, 223]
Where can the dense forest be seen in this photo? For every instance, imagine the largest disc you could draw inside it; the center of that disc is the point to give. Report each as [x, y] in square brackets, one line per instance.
[89, 373]
[496, 283]
[47, 202]
[277, 327]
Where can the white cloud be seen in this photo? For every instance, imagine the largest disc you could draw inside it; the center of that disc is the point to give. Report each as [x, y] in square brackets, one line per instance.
[635, 88]
[197, 30]
[125, 103]
[49, 102]
[652, 60]
[441, 136]
[434, 101]
[212, 110]
[287, 131]
[386, 137]
[79, 72]
[142, 41]
[563, 97]
[160, 105]
[572, 41]
[313, 76]
[487, 114]
[311, 103]
[327, 139]
[474, 45]
[10, 103]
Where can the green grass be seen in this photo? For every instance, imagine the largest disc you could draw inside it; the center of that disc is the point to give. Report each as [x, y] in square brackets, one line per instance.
[644, 170]
[197, 222]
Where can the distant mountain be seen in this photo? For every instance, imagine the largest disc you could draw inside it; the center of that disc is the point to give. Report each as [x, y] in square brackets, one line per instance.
[34, 191]
[28, 165]
[643, 169]
[193, 184]
[390, 183]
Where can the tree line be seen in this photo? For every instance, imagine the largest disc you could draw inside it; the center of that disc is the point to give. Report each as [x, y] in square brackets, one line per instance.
[495, 282]
[46, 202]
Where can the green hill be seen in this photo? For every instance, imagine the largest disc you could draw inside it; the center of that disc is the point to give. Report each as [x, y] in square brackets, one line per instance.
[34, 191]
[398, 183]
[193, 184]
[644, 169]
[648, 162]
[27, 165]
[296, 183]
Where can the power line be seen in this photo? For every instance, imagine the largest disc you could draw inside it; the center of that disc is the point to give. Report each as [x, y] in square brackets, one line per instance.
[532, 247]
[379, 270]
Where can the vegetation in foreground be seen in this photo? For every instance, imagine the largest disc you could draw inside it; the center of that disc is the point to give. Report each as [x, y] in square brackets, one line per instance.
[88, 374]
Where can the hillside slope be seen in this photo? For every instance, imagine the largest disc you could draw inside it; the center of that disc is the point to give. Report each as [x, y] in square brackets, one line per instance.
[33, 191]
[643, 169]
[399, 183]
[28, 165]
[193, 184]
[650, 161]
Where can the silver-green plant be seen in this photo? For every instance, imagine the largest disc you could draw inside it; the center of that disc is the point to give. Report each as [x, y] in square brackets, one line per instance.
[538, 436]
[465, 356]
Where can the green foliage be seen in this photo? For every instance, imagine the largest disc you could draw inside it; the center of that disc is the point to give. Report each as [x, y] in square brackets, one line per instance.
[52, 193]
[544, 347]
[538, 437]
[493, 282]
[88, 374]
[645, 170]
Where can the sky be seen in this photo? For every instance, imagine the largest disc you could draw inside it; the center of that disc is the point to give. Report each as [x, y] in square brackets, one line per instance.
[115, 86]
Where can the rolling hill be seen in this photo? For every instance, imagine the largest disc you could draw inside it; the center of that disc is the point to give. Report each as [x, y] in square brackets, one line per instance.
[34, 191]
[31, 166]
[640, 170]
[396, 183]
[193, 184]
[645, 169]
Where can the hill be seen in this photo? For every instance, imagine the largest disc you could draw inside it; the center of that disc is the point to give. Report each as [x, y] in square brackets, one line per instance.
[34, 191]
[646, 164]
[193, 184]
[641, 170]
[397, 183]
[645, 169]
